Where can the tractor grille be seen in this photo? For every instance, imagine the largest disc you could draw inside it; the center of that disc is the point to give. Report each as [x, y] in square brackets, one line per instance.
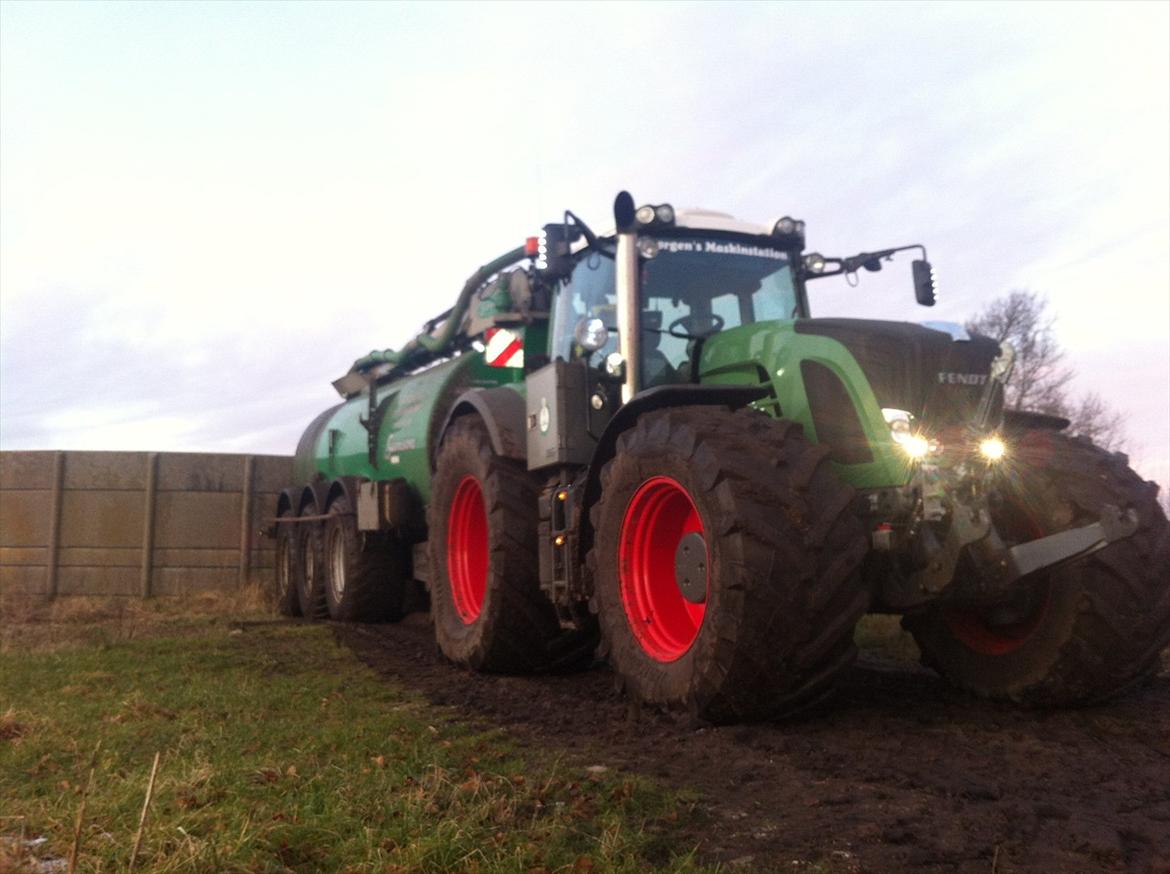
[917, 369]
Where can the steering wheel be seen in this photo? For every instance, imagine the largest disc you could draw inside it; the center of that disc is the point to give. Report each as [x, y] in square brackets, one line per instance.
[717, 323]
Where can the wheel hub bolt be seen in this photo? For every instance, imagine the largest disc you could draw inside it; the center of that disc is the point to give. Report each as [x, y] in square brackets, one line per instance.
[690, 567]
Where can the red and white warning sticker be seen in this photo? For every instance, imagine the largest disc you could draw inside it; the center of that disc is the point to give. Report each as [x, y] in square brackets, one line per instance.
[504, 348]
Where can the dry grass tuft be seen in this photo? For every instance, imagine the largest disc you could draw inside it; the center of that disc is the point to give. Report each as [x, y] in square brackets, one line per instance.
[12, 728]
[29, 622]
[11, 856]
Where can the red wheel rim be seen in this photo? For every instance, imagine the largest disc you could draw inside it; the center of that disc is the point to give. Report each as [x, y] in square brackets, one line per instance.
[657, 518]
[970, 626]
[467, 549]
[972, 629]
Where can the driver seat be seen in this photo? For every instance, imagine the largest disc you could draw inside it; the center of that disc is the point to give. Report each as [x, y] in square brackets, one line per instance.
[656, 367]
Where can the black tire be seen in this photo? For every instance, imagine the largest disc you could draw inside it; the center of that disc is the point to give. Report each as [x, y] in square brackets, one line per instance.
[364, 581]
[507, 624]
[284, 567]
[1095, 626]
[783, 548]
[310, 576]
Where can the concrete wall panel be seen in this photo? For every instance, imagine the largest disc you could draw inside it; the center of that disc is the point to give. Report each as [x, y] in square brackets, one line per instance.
[15, 580]
[190, 472]
[105, 470]
[26, 470]
[100, 556]
[197, 527]
[186, 520]
[102, 518]
[270, 473]
[202, 558]
[20, 556]
[24, 517]
[98, 581]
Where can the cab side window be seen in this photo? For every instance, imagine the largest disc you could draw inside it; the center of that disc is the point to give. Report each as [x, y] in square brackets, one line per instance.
[588, 293]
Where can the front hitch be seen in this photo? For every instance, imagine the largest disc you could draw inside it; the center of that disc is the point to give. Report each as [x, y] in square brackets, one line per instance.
[1027, 558]
[998, 566]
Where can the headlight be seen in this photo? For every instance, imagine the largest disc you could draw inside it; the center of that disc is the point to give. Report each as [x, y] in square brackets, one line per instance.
[992, 449]
[785, 226]
[915, 445]
[644, 215]
[665, 214]
[647, 247]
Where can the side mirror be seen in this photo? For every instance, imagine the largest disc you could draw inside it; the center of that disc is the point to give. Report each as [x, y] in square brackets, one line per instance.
[924, 283]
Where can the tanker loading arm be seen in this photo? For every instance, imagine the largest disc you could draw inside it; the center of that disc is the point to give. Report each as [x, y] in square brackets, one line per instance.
[425, 345]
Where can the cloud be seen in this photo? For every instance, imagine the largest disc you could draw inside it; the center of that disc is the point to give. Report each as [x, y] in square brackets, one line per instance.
[207, 212]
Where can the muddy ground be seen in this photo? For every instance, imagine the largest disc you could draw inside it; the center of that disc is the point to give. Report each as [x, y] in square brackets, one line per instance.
[897, 773]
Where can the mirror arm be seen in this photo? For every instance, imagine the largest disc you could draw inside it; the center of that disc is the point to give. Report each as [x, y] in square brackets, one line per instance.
[850, 265]
[590, 237]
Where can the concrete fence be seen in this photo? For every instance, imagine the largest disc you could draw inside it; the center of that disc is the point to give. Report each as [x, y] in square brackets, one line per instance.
[134, 523]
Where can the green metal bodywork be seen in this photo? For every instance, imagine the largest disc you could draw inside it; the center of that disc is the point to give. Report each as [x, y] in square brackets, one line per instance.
[416, 405]
[749, 354]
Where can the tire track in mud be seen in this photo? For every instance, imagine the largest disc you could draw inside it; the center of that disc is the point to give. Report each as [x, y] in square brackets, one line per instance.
[898, 773]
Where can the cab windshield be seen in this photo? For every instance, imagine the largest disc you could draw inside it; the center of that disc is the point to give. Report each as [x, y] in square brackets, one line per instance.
[696, 287]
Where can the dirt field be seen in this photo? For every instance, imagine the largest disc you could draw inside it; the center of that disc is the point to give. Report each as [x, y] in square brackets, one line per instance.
[899, 773]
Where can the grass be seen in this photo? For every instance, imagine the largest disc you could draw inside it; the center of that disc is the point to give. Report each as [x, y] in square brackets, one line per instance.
[280, 751]
[883, 636]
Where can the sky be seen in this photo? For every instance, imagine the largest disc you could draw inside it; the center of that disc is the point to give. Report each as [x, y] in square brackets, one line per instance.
[209, 210]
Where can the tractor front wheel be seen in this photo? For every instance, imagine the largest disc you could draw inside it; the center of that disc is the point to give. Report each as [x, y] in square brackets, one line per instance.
[489, 611]
[725, 564]
[1080, 632]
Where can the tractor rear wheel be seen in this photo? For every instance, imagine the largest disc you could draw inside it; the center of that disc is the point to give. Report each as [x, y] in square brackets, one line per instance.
[489, 611]
[310, 575]
[725, 564]
[1085, 630]
[364, 581]
[284, 568]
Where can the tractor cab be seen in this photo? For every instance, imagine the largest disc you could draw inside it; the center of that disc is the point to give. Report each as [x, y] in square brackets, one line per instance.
[686, 276]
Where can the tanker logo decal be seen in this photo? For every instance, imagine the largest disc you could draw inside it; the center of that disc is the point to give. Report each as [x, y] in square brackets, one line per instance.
[545, 417]
[962, 378]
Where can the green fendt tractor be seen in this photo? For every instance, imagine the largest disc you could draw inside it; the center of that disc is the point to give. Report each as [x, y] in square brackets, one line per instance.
[640, 445]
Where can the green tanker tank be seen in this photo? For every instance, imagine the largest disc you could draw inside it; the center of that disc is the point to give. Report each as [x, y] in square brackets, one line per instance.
[641, 446]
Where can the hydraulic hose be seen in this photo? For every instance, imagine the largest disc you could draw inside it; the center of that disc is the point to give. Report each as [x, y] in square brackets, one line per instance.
[425, 342]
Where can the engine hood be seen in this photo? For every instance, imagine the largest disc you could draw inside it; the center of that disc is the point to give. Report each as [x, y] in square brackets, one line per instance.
[931, 375]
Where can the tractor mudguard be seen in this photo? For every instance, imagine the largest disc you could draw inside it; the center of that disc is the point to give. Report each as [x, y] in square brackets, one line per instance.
[502, 412]
[1024, 420]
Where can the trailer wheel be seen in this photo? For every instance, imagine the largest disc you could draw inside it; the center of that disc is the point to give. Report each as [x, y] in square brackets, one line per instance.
[310, 574]
[488, 609]
[364, 581]
[1081, 632]
[284, 567]
[725, 562]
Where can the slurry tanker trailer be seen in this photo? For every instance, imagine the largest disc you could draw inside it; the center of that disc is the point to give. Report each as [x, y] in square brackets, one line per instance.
[639, 445]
